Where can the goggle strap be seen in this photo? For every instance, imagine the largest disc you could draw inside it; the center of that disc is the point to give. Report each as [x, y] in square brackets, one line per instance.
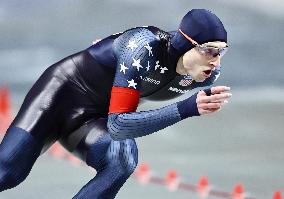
[221, 51]
[188, 38]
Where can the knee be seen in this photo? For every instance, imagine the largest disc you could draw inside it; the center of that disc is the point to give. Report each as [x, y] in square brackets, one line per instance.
[120, 156]
[126, 158]
[131, 153]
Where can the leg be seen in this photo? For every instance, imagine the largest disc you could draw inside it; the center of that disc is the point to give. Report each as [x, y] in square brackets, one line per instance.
[18, 152]
[114, 161]
[113, 168]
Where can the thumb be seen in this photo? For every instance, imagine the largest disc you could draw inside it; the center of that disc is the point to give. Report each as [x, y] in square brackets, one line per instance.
[220, 89]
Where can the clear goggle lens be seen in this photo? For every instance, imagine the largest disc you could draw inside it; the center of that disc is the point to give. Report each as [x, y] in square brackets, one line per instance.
[211, 51]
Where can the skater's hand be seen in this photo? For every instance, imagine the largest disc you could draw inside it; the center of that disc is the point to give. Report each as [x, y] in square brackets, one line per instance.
[209, 104]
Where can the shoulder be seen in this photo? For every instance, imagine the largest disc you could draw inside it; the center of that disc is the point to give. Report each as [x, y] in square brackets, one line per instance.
[139, 31]
[136, 37]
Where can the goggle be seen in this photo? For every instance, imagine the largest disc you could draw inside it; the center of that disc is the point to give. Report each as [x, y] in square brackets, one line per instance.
[209, 51]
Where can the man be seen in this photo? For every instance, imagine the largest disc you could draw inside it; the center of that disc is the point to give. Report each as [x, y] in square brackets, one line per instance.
[88, 100]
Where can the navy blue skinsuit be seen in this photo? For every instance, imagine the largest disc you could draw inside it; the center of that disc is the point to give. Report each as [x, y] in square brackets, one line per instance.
[71, 99]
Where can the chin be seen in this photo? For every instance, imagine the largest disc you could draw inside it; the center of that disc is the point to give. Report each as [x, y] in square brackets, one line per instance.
[200, 80]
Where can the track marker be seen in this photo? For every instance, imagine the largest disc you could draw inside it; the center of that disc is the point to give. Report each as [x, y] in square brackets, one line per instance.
[143, 173]
[57, 151]
[5, 109]
[172, 180]
[73, 159]
[203, 187]
[238, 192]
[277, 195]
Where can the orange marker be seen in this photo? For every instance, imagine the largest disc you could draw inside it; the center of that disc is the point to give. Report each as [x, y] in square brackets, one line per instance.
[73, 160]
[172, 180]
[238, 192]
[4, 101]
[57, 151]
[2, 125]
[277, 195]
[203, 187]
[5, 110]
[143, 173]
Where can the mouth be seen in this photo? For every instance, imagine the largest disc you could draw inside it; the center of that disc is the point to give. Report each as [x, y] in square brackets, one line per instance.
[207, 73]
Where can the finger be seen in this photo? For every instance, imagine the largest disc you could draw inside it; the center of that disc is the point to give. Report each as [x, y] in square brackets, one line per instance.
[212, 98]
[219, 89]
[204, 112]
[209, 105]
[220, 97]
[218, 108]
[224, 101]
[213, 110]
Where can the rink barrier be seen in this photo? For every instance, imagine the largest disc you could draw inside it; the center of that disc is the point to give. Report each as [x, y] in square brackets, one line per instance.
[143, 174]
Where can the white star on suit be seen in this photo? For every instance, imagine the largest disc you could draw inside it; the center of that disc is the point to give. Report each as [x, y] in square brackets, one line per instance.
[149, 48]
[132, 45]
[123, 68]
[157, 65]
[163, 69]
[217, 76]
[137, 63]
[148, 67]
[132, 83]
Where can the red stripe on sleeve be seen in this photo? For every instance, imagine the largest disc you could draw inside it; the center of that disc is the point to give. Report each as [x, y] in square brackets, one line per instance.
[123, 100]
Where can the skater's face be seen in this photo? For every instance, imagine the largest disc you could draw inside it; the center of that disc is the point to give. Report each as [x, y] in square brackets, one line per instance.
[198, 64]
[202, 59]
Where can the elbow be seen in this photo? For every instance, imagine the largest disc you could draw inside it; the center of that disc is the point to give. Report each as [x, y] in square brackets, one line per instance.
[115, 133]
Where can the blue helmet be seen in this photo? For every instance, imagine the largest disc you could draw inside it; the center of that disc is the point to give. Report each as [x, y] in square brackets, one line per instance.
[202, 26]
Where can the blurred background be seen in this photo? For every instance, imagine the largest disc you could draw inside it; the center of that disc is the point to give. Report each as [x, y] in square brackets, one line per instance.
[243, 143]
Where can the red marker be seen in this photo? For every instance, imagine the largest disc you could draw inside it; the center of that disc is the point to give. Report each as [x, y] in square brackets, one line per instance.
[5, 110]
[73, 160]
[57, 151]
[2, 125]
[203, 187]
[238, 192]
[4, 100]
[143, 173]
[172, 180]
[277, 195]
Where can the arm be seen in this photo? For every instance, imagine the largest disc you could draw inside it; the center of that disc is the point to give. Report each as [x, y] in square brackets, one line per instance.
[137, 124]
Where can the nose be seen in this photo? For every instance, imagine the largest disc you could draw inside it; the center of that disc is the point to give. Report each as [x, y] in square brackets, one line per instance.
[216, 61]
